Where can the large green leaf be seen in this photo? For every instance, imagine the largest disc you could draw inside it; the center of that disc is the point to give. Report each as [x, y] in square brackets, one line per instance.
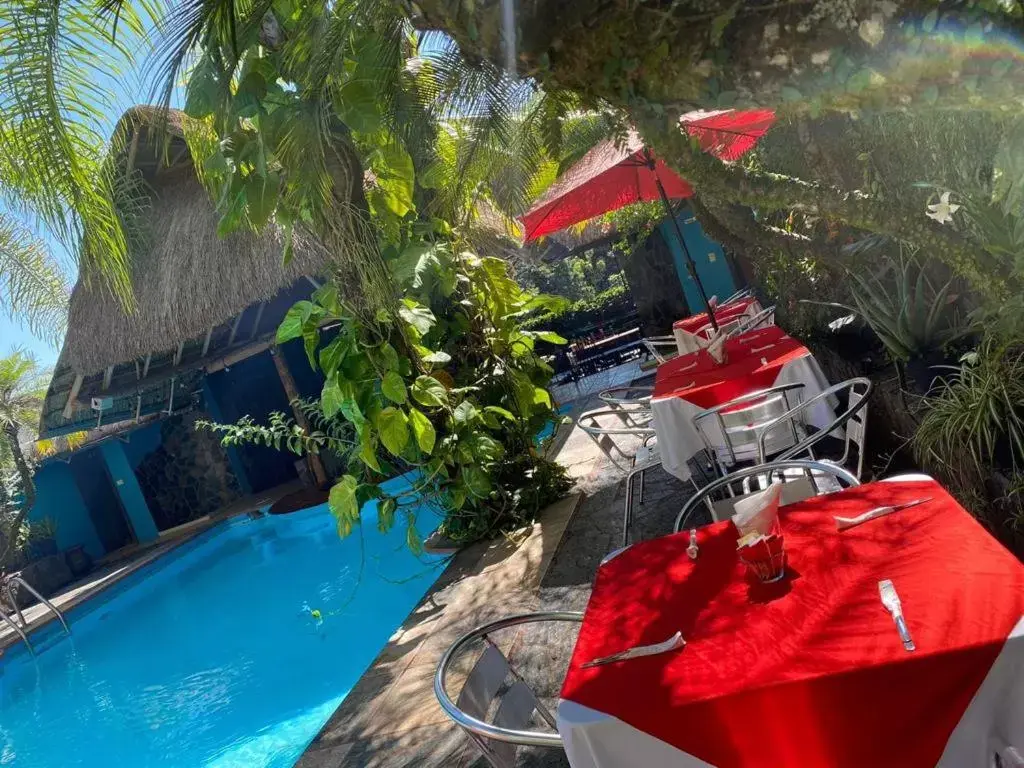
[465, 413]
[418, 316]
[477, 481]
[343, 504]
[393, 426]
[424, 431]
[357, 105]
[393, 387]
[428, 391]
[367, 450]
[331, 397]
[332, 355]
[394, 178]
[386, 514]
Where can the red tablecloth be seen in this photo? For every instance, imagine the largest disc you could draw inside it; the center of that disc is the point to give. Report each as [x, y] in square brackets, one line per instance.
[809, 671]
[694, 323]
[697, 378]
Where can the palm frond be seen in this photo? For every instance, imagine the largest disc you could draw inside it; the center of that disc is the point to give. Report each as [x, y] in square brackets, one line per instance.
[57, 58]
[33, 287]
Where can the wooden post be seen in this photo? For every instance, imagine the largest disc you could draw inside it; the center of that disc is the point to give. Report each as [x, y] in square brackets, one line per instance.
[292, 392]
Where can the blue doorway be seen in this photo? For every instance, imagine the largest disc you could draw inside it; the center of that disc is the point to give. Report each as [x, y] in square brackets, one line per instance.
[712, 268]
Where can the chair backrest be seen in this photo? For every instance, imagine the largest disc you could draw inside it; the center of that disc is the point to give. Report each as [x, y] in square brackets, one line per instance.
[730, 431]
[516, 706]
[762, 319]
[811, 478]
[628, 396]
[625, 422]
[742, 293]
[653, 344]
[853, 421]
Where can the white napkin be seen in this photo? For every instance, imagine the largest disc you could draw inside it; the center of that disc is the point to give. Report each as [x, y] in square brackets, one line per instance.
[717, 349]
[757, 512]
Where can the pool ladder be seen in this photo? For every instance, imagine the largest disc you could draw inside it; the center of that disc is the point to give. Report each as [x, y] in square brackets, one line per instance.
[5, 587]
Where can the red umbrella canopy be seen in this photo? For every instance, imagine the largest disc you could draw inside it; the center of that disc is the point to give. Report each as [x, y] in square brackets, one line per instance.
[609, 177]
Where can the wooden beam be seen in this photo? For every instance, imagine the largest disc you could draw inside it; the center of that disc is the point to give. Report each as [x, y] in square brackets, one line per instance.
[312, 282]
[234, 328]
[177, 354]
[107, 375]
[145, 368]
[237, 356]
[256, 322]
[292, 392]
[206, 342]
[73, 395]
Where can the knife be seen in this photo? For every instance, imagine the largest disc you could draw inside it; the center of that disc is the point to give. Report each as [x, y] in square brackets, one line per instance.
[891, 601]
[676, 641]
[871, 514]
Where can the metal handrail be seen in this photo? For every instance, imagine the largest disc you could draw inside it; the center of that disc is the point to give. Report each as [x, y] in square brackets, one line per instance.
[761, 469]
[481, 727]
[18, 630]
[16, 579]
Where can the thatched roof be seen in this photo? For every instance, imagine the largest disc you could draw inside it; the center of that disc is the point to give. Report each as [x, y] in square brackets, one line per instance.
[186, 278]
[192, 288]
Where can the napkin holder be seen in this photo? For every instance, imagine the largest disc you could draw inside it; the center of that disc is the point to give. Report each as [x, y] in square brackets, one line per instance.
[717, 350]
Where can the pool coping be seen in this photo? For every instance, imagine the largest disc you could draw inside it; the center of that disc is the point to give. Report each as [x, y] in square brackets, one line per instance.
[390, 716]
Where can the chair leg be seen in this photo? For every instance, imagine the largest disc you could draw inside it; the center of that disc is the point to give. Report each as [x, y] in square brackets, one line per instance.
[627, 519]
[642, 473]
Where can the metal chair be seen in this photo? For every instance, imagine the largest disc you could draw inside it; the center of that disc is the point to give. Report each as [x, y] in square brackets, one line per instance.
[762, 319]
[742, 293]
[633, 423]
[801, 480]
[617, 397]
[647, 458]
[853, 421]
[731, 432]
[665, 342]
[517, 703]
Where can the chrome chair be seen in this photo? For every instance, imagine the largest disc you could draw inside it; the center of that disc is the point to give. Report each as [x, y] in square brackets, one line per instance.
[630, 422]
[762, 319]
[655, 343]
[801, 480]
[617, 397]
[742, 293]
[516, 702]
[731, 432]
[853, 421]
[647, 458]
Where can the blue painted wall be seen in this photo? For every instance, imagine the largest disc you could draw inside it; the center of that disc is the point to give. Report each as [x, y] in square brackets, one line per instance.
[142, 442]
[58, 497]
[712, 267]
[127, 487]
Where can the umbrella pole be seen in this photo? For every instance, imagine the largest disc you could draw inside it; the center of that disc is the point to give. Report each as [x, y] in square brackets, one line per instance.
[691, 266]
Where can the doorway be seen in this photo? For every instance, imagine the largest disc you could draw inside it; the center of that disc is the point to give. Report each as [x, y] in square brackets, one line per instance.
[101, 499]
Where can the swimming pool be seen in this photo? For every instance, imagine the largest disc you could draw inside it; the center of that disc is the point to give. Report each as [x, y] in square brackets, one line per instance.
[212, 656]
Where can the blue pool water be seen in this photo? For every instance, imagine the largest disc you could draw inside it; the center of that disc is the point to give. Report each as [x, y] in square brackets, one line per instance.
[211, 657]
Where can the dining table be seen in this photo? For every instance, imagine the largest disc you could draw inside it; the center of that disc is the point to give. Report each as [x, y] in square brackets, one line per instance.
[685, 330]
[810, 670]
[688, 385]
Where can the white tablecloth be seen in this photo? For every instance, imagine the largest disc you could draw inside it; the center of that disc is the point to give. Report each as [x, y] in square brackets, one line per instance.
[678, 439]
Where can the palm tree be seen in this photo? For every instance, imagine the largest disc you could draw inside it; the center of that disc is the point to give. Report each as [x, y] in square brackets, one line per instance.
[33, 286]
[22, 390]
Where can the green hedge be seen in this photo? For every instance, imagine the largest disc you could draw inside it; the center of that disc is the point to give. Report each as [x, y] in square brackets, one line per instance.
[584, 314]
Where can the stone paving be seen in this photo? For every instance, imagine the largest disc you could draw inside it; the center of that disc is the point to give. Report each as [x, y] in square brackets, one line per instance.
[391, 717]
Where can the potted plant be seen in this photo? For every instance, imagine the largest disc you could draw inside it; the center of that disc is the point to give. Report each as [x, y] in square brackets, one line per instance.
[79, 561]
[42, 539]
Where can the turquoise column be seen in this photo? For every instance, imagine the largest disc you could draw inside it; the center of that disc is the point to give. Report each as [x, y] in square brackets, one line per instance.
[234, 459]
[128, 489]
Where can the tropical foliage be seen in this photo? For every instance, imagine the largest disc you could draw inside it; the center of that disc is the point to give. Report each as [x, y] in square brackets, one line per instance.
[22, 388]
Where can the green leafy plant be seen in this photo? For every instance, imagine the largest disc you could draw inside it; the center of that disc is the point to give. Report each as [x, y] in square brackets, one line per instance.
[46, 528]
[975, 421]
[911, 316]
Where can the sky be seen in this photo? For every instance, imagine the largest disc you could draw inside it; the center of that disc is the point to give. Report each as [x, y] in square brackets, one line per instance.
[127, 89]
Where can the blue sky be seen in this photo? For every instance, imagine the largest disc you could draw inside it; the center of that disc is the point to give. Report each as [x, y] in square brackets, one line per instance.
[129, 88]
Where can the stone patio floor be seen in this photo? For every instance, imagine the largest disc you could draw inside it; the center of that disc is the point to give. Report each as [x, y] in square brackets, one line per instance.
[392, 718]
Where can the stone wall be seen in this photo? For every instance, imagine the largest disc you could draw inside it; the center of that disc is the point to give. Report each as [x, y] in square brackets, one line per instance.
[187, 476]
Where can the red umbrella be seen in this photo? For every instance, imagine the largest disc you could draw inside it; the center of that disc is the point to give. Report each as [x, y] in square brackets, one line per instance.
[609, 177]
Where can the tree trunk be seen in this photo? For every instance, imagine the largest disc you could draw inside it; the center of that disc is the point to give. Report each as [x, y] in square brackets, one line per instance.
[654, 285]
[316, 464]
[28, 490]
